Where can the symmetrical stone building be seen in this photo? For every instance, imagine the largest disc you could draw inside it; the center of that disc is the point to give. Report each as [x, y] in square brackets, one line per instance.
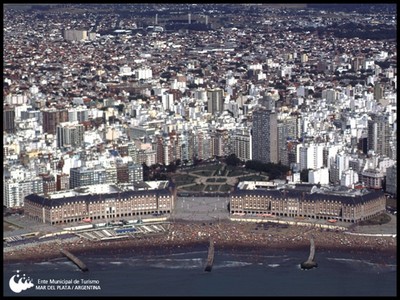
[343, 207]
[108, 203]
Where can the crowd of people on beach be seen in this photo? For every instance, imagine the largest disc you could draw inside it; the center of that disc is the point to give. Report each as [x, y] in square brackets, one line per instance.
[224, 234]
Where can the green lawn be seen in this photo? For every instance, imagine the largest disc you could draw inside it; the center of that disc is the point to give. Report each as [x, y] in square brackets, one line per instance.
[211, 188]
[194, 188]
[205, 173]
[213, 174]
[184, 179]
[377, 220]
[209, 168]
[237, 172]
[252, 177]
[225, 188]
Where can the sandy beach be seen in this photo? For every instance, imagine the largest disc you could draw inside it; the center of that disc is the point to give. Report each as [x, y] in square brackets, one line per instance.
[226, 235]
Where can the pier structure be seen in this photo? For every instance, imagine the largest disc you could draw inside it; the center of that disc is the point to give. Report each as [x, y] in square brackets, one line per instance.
[310, 263]
[75, 260]
[210, 257]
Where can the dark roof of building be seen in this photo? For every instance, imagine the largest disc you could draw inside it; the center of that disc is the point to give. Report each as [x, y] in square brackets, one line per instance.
[40, 199]
[304, 196]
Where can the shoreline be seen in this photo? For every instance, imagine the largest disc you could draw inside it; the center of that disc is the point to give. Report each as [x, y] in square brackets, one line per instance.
[227, 236]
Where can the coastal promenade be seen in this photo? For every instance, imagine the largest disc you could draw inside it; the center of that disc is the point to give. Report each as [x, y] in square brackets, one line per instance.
[197, 219]
[226, 235]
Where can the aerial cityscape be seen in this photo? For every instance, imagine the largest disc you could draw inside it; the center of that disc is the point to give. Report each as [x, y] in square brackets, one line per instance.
[224, 126]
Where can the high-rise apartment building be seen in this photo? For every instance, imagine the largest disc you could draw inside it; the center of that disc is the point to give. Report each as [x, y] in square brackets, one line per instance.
[391, 180]
[219, 143]
[175, 145]
[111, 173]
[75, 35]
[62, 182]
[11, 193]
[378, 91]
[14, 190]
[79, 114]
[241, 141]
[379, 135]
[158, 146]
[264, 136]
[286, 131]
[52, 117]
[215, 101]
[9, 119]
[49, 184]
[87, 176]
[70, 134]
[310, 156]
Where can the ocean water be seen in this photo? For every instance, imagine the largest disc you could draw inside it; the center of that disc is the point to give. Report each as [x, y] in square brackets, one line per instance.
[241, 273]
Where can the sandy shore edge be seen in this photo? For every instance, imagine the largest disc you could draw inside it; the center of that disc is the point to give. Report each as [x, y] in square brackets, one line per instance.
[184, 236]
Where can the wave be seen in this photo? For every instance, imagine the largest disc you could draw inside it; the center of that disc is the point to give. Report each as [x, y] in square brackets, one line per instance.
[289, 258]
[259, 255]
[231, 264]
[44, 263]
[56, 259]
[192, 263]
[69, 263]
[185, 253]
[380, 266]
[352, 260]
[184, 263]
[108, 260]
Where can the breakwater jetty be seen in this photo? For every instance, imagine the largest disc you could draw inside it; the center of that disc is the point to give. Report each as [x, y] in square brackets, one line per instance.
[310, 263]
[75, 260]
[210, 257]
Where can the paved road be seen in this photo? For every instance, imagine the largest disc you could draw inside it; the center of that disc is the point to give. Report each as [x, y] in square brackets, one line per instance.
[388, 228]
[27, 225]
[201, 208]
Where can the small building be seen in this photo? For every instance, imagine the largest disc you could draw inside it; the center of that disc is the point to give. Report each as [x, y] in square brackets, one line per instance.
[372, 178]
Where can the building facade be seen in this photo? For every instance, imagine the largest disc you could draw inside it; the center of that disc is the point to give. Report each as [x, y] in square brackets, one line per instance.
[372, 178]
[298, 203]
[62, 182]
[75, 35]
[15, 190]
[379, 135]
[391, 180]
[52, 117]
[264, 136]
[87, 176]
[215, 101]
[9, 119]
[241, 141]
[70, 134]
[107, 204]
